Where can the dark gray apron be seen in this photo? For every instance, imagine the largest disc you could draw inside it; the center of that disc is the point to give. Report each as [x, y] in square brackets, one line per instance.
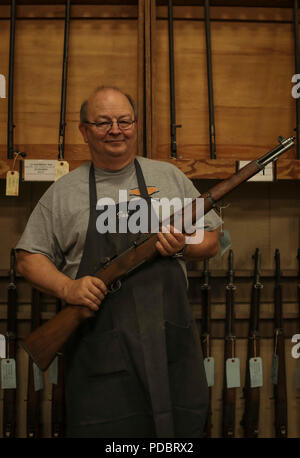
[135, 369]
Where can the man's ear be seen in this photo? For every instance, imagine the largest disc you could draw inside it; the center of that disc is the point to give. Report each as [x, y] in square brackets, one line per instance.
[82, 129]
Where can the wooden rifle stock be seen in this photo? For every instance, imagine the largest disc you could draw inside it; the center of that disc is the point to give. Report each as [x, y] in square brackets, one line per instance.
[43, 344]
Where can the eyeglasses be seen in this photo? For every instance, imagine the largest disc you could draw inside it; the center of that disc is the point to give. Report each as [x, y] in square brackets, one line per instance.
[106, 126]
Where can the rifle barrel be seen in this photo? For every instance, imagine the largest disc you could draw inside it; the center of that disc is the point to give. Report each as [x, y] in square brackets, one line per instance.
[212, 140]
[250, 421]
[297, 71]
[10, 120]
[9, 394]
[62, 122]
[173, 125]
[229, 393]
[33, 396]
[206, 333]
[280, 390]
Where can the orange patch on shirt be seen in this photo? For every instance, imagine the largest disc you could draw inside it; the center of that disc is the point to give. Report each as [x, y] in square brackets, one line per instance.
[136, 192]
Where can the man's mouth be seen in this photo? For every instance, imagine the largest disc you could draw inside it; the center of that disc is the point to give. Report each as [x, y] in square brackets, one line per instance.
[114, 141]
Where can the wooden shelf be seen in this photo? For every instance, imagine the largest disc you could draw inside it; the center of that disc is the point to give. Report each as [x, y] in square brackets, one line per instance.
[243, 3]
[287, 169]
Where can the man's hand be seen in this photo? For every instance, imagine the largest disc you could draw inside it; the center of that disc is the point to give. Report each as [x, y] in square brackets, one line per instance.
[87, 291]
[170, 242]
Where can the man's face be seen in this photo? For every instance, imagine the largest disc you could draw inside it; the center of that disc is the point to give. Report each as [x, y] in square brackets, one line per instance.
[106, 106]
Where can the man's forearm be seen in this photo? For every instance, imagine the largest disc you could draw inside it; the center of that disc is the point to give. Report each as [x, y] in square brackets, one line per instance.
[209, 247]
[42, 273]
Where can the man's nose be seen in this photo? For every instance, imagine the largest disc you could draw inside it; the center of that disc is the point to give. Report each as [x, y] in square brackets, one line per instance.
[115, 129]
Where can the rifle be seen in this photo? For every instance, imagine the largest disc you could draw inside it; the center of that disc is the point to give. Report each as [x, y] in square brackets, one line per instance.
[173, 126]
[45, 341]
[206, 335]
[10, 394]
[34, 383]
[58, 393]
[278, 367]
[298, 285]
[297, 71]
[62, 121]
[251, 390]
[212, 140]
[10, 116]
[229, 355]
[10, 121]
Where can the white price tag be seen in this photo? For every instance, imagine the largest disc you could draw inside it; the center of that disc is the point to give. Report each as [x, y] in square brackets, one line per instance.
[209, 366]
[39, 169]
[38, 378]
[8, 374]
[12, 183]
[61, 169]
[256, 372]
[53, 371]
[2, 346]
[264, 175]
[233, 377]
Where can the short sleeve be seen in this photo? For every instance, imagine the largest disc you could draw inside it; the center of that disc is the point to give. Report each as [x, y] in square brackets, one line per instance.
[38, 236]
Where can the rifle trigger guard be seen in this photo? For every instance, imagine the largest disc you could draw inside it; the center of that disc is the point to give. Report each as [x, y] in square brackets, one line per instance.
[115, 286]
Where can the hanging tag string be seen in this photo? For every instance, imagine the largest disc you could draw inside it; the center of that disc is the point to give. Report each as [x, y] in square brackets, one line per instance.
[16, 156]
[220, 210]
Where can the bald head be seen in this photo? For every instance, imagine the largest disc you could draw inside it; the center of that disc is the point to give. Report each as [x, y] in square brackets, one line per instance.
[106, 91]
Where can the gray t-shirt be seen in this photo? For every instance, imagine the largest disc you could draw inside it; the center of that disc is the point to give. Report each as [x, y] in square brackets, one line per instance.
[58, 224]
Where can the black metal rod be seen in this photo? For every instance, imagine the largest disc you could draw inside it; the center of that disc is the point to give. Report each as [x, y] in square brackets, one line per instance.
[212, 140]
[297, 71]
[10, 118]
[173, 125]
[62, 121]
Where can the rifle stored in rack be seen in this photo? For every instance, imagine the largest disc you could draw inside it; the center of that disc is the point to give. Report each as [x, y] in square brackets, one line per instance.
[44, 342]
[8, 365]
[173, 125]
[278, 363]
[62, 121]
[58, 421]
[254, 376]
[231, 363]
[35, 381]
[206, 338]
[212, 135]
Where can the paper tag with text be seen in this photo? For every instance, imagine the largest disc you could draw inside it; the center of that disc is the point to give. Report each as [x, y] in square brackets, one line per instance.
[8, 374]
[53, 371]
[61, 168]
[224, 241]
[38, 378]
[2, 346]
[233, 377]
[209, 366]
[256, 372]
[12, 183]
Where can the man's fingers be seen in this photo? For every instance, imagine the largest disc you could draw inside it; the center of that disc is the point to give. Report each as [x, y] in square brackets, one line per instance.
[161, 249]
[169, 241]
[99, 284]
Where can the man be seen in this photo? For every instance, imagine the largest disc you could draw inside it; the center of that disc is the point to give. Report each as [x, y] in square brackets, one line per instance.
[135, 369]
